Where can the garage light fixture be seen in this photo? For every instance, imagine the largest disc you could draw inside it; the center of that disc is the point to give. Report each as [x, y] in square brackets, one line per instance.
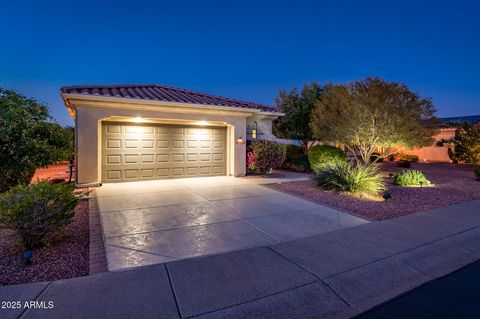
[202, 123]
[240, 140]
[138, 119]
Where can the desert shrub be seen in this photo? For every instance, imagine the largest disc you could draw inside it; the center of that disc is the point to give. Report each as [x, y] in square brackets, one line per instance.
[409, 158]
[476, 170]
[411, 178]
[300, 163]
[266, 156]
[356, 179]
[321, 156]
[291, 152]
[37, 210]
[404, 164]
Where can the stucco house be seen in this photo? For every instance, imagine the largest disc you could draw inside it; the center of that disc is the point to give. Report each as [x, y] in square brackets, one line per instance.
[140, 132]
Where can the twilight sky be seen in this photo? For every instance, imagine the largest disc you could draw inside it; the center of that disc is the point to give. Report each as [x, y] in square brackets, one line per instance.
[244, 49]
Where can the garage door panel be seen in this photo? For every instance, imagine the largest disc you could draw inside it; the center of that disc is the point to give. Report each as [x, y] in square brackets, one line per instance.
[147, 144]
[217, 144]
[163, 144]
[162, 173]
[114, 144]
[204, 143]
[114, 175]
[148, 158]
[163, 158]
[114, 159]
[138, 152]
[178, 158]
[178, 144]
[177, 131]
[218, 170]
[131, 143]
[178, 171]
[131, 158]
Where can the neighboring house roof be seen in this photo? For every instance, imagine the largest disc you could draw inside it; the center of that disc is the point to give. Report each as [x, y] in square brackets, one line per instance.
[471, 119]
[162, 93]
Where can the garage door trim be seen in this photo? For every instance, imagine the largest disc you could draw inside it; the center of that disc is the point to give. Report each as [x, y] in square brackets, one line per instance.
[146, 151]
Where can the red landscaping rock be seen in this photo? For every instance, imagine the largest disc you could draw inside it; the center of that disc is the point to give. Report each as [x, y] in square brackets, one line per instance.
[453, 184]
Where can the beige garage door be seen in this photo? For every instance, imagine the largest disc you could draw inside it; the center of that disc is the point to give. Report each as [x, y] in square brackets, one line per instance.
[132, 152]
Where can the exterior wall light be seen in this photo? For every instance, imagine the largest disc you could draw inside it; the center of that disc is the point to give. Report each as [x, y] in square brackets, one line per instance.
[254, 134]
[240, 140]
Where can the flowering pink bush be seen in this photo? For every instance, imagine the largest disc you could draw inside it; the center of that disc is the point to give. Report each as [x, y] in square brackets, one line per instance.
[250, 160]
[262, 156]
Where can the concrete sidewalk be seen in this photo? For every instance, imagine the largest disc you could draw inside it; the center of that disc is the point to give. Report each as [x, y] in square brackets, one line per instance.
[332, 275]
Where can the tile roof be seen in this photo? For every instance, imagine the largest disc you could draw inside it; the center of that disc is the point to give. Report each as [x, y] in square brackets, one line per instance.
[162, 93]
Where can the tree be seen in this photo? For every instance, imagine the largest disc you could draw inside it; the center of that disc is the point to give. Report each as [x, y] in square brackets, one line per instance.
[467, 144]
[28, 139]
[298, 107]
[374, 115]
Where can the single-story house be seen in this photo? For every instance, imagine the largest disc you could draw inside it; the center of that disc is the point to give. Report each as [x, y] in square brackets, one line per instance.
[141, 132]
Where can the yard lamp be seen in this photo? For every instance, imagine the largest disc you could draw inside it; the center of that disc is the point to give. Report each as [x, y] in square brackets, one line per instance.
[387, 196]
[390, 175]
[27, 256]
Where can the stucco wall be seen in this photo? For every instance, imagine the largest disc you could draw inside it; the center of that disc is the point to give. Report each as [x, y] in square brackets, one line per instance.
[88, 129]
[435, 153]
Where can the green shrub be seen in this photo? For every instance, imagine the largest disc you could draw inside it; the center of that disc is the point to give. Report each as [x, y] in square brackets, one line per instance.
[476, 170]
[411, 178]
[356, 179]
[409, 158]
[291, 152]
[266, 155]
[300, 163]
[467, 144]
[404, 164]
[37, 210]
[321, 156]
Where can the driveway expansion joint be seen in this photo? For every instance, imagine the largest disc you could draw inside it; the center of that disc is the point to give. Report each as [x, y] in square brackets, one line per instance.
[25, 310]
[173, 291]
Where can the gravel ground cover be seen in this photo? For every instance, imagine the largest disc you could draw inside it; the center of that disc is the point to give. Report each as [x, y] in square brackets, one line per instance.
[453, 184]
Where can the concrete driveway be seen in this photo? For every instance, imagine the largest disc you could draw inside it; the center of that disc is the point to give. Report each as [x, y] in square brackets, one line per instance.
[159, 221]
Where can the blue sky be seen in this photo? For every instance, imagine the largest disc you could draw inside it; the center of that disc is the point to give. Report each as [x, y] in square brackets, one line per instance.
[244, 49]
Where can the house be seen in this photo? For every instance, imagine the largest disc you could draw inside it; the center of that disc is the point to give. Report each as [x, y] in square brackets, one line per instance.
[141, 132]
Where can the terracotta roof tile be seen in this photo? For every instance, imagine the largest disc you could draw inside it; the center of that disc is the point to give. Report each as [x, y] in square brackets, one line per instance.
[162, 93]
